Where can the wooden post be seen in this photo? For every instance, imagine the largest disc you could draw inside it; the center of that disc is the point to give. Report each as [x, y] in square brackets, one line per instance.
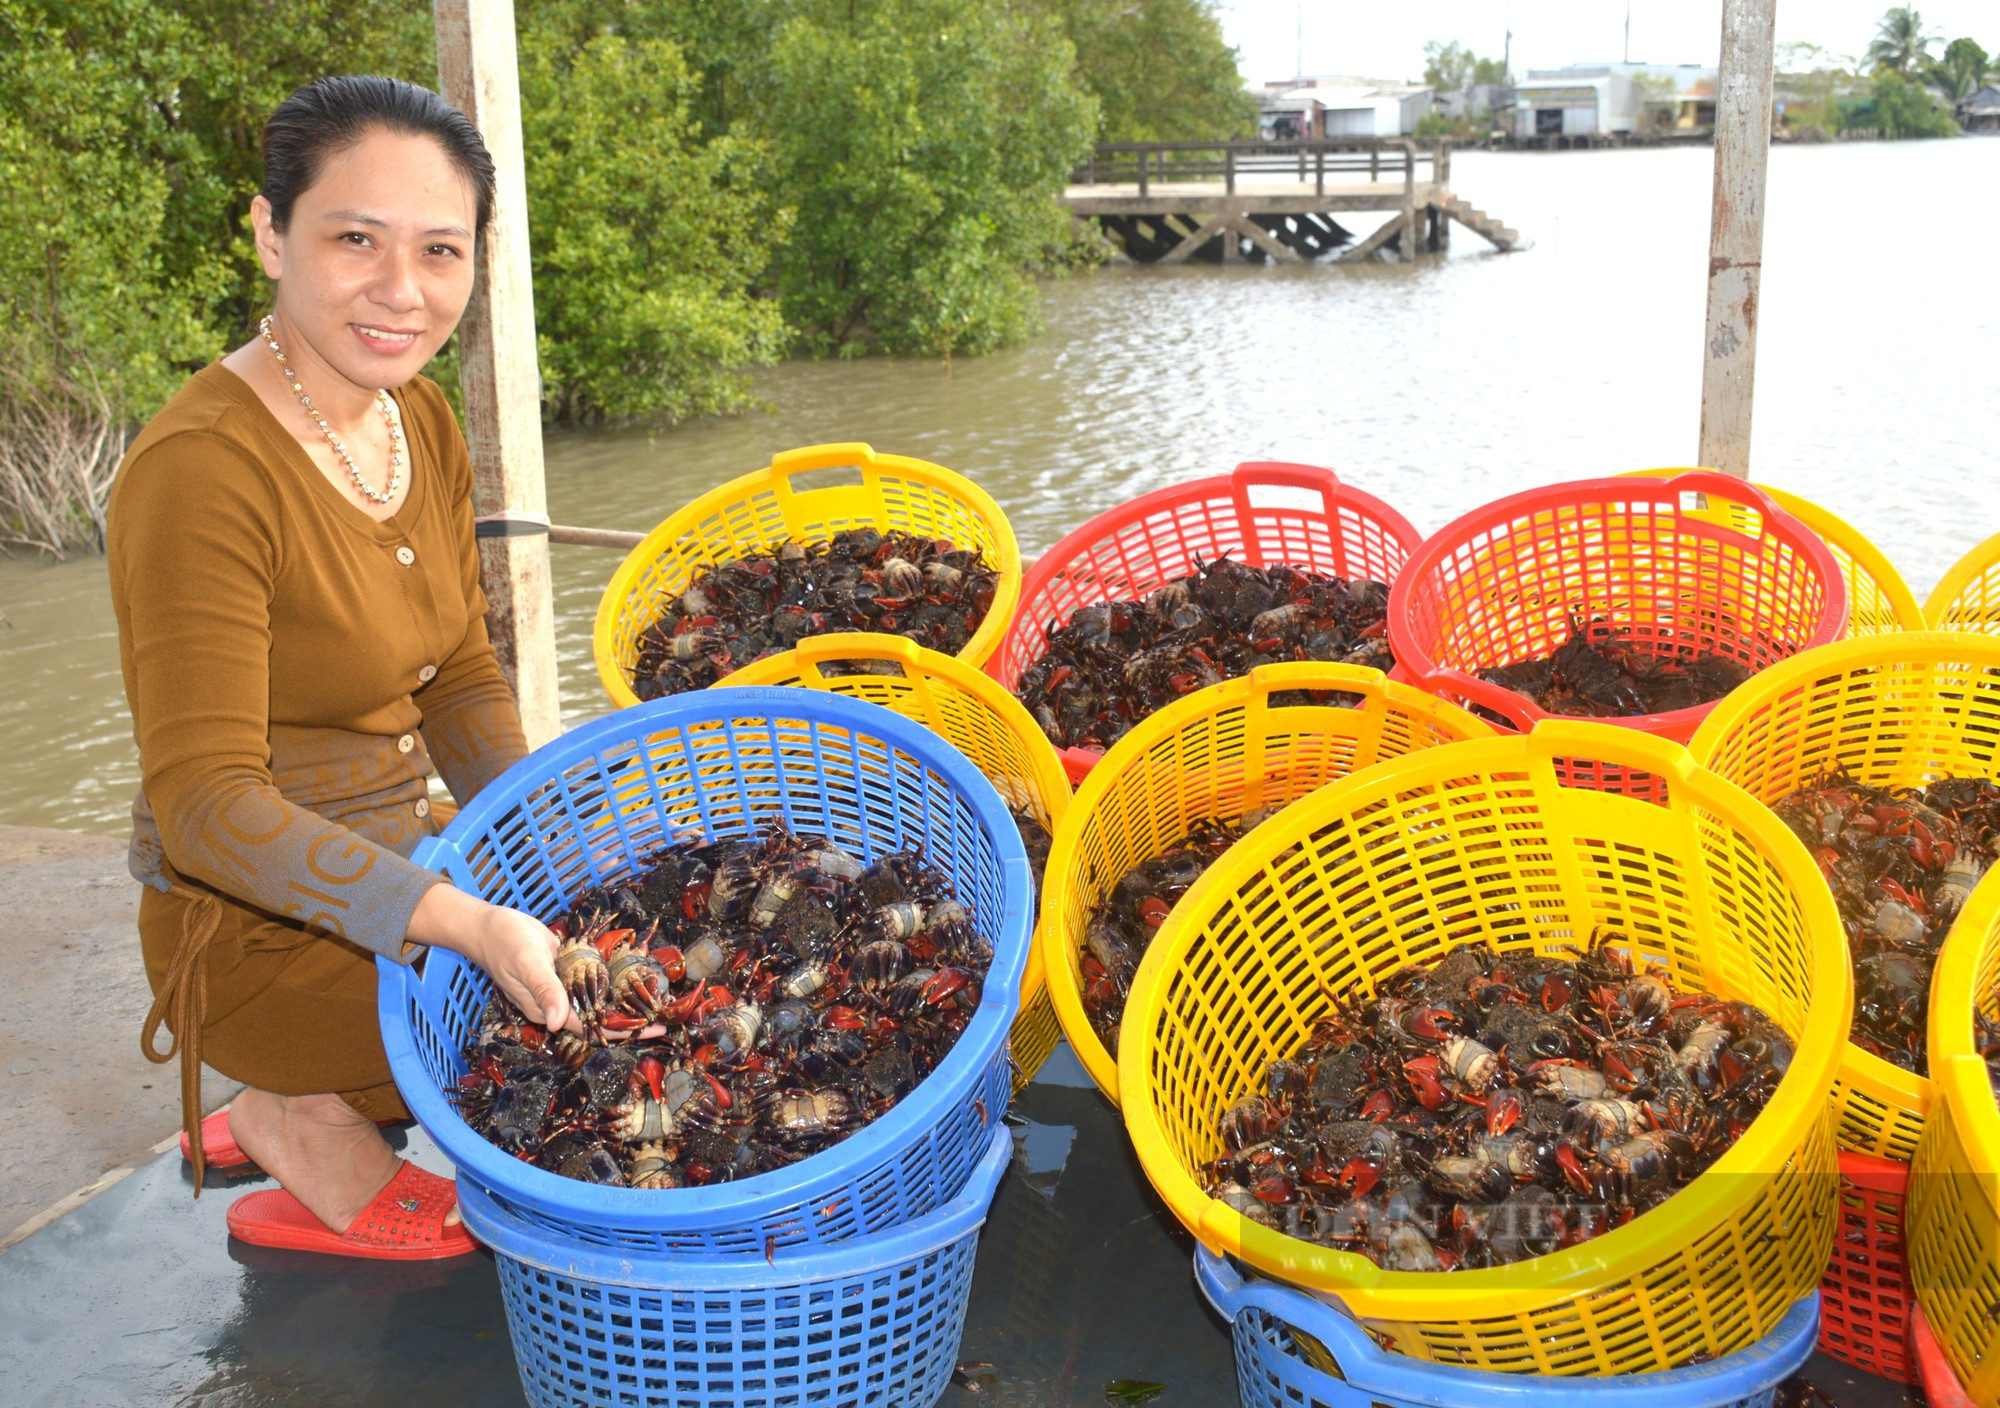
[1736, 234]
[498, 371]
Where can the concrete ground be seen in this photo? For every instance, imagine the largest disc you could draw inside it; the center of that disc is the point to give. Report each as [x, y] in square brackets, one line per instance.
[130, 1291]
[77, 1100]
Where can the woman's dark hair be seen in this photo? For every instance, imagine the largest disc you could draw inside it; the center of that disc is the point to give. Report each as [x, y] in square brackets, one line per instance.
[329, 115]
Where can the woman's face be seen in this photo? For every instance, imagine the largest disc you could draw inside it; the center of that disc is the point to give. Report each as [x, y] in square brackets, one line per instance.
[376, 265]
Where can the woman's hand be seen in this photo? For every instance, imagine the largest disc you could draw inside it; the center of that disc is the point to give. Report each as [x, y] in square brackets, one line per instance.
[516, 950]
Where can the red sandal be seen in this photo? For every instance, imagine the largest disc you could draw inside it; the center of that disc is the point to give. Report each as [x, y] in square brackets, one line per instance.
[219, 1146]
[404, 1223]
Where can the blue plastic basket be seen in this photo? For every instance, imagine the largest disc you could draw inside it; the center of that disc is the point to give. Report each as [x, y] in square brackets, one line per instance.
[1266, 1321]
[876, 1320]
[590, 807]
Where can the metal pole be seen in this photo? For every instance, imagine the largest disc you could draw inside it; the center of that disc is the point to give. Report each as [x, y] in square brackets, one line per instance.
[1736, 234]
[497, 366]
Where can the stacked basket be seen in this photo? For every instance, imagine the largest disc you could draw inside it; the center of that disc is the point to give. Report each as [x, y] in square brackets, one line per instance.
[1954, 1209]
[1240, 746]
[1967, 597]
[1891, 710]
[790, 499]
[1264, 514]
[843, 1277]
[977, 717]
[1490, 840]
[1664, 560]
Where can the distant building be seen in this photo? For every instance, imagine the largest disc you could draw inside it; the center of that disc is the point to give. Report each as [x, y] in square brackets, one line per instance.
[1495, 98]
[1342, 107]
[1981, 111]
[1601, 100]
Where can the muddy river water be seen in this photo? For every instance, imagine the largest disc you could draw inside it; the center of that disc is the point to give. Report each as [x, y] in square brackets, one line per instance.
[1436, 387]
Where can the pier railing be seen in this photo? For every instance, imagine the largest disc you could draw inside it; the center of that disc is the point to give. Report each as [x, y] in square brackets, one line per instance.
[1145, 164]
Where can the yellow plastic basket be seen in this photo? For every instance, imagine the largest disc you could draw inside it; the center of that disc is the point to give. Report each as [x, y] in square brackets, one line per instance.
[1217, 753]
[1878, 599]
[778, 502]
[1894, 710]
[980, 719]
[1967, 598]
[1483, 840]
[1952, 1221]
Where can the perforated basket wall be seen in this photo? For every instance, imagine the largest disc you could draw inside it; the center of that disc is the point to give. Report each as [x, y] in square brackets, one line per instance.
[872, 1323]
[1263, 513]
[1483, 841]
[1293, 1350]
[1967, 598]
[1952, 1220]
[1865, 1295]
[1878, 599]
[781, 502]
[981, 720]
[1223, 751]
[1502, 584]
[1893, 710]
[590, 808]
[1940, 1384]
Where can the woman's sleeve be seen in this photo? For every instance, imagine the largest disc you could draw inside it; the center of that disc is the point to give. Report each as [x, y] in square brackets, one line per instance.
[472, 726]
[195, 573]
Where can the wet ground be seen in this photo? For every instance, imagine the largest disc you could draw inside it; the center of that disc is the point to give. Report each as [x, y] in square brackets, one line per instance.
[140, 1297]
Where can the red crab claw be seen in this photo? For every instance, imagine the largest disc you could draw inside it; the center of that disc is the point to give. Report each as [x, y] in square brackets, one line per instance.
[1154, 910]
[705, 1054]
[1374, 628]
[1424, 1083]
[1433, 1023]
[1730, 1067]
[560, 928]
[717, 999]
[845, 1019]
[1618, 1072]
[1447, 1258]
[1825, 856]
[671, 960]
[1359, 1178]
[652, 1073]
[1503, 1111]
[1556, 993]
[1058, 677]
[723, 1098]
[948, 983]
[683, 1008]
[1276, 1190]
[614, 1021]
[1572, 1168]
[694, 899]
[1897, 892]
[1378, 1106]
[610, 939]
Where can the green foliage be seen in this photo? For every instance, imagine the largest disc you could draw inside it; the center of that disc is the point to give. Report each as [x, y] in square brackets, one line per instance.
[1897, 107]
[1962, 69]
[924, 144]
[1451, 67]
[647, 240]
[1901, 43]
[1159, 69]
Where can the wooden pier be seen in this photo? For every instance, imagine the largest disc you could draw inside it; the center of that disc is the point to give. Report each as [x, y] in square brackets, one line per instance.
[1167, 202]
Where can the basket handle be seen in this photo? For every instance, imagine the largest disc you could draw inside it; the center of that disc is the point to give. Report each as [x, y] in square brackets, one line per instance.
[1714, 484]
[815, 651]
[1554, 738]
[1523, 713]
[787, 465]
[1231, 1293]
[1282, 474]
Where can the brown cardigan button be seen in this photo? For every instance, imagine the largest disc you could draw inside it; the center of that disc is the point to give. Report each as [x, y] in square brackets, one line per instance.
[406, 555]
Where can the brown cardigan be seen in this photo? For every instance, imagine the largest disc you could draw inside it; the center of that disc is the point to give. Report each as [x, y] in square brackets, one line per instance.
[295, 669]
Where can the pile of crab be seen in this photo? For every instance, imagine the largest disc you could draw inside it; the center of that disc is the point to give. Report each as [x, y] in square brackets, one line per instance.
[926, 589]
[1123, 925]
[1114, 662]
[1599, 672]
[1490, 1107]
[743, 1004]
[1902, 861]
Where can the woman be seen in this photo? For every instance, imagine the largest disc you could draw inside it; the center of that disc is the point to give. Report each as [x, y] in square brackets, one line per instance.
[302, 636]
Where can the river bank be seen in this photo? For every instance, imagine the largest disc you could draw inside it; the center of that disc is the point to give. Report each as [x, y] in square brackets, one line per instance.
[1438, 386]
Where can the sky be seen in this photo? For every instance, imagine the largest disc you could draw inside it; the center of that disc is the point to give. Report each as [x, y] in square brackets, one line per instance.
[1387, 41]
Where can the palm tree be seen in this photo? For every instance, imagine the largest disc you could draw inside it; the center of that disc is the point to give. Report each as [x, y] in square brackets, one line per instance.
[1900, 42]
[1960, 72]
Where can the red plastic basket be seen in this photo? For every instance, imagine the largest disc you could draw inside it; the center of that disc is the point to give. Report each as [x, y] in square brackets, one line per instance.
[1264, 513]
[1866, 1297]
[1501, 584]
[1940, 1385]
